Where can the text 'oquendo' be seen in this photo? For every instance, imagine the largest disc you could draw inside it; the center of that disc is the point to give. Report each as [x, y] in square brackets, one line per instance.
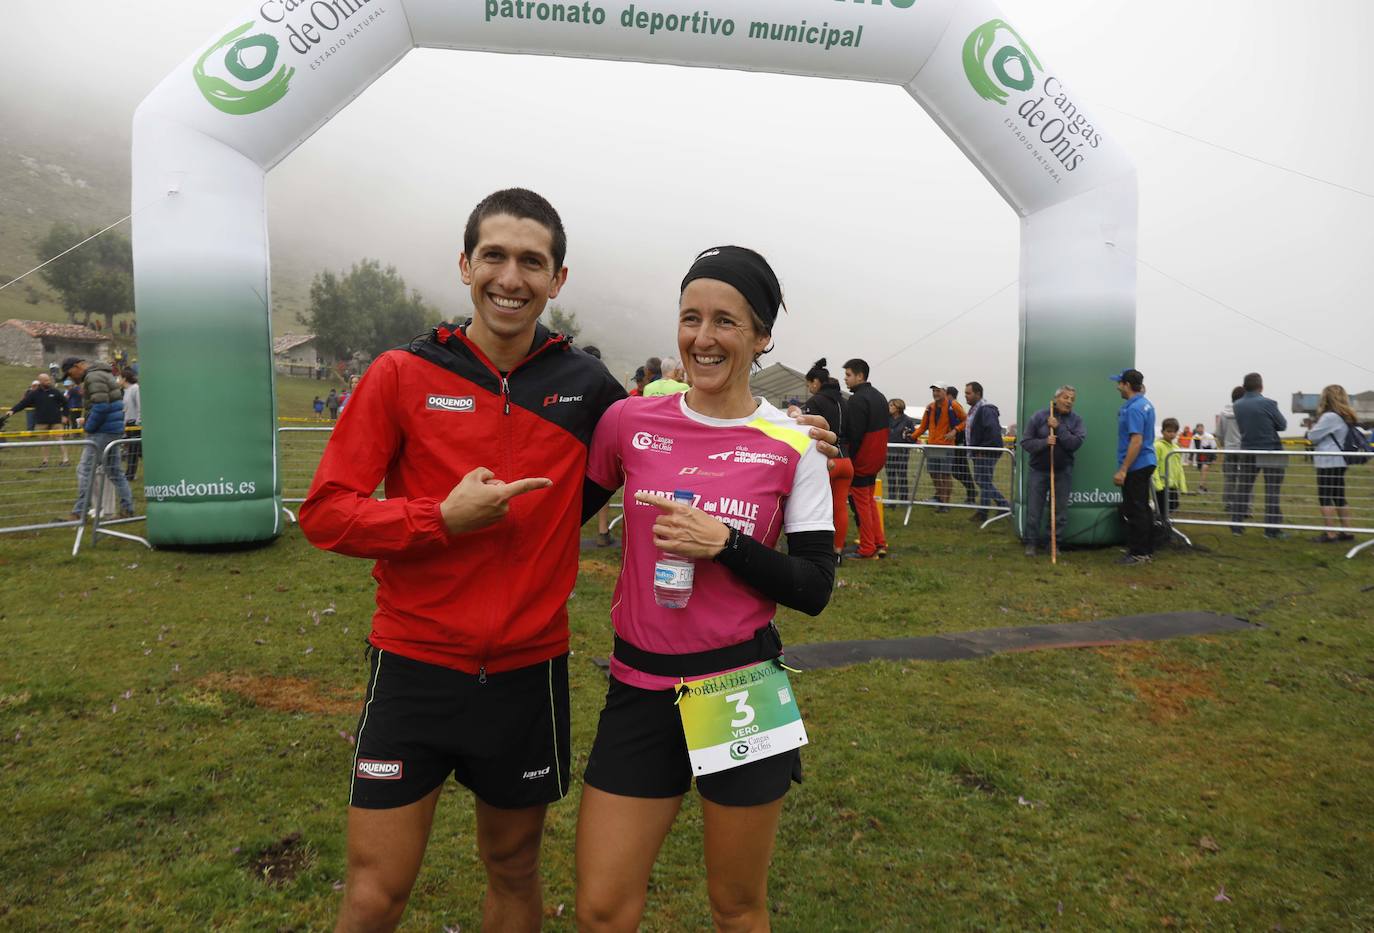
[696, 22]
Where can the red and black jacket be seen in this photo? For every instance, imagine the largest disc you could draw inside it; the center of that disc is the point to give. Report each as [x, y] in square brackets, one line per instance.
[420, 420]
[866, 424]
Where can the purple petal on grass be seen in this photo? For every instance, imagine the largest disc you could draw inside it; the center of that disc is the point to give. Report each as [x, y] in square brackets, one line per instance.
[1060, 908]
[147, 651]
[309, 650]
[235, 850]
[338, 886]
[1222, 897]
[456, 928]
[127, 694]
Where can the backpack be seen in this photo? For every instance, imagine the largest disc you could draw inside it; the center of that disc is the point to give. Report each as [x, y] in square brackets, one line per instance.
[1355, 443]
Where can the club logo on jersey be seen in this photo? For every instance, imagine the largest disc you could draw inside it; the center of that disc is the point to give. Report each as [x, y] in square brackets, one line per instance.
[451, 403]
[745, 455]
[557, 399]
[379, 770]
[643, 440]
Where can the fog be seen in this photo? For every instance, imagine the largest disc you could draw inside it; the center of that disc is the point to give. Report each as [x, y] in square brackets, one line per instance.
[881, 230]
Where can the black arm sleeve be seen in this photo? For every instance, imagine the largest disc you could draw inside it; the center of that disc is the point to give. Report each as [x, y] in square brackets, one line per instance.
[594, 497]
[801, 579]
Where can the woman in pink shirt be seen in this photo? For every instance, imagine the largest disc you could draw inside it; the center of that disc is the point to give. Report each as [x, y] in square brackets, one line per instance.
[751, 474]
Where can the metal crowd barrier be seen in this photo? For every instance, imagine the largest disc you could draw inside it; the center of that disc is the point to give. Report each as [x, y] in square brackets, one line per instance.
[34, 496]
[298, 455]
[1278, 486]
[103, 502]
[907, 478]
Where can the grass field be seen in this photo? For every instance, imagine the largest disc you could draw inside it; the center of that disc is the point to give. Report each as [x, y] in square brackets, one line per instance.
[175, 743]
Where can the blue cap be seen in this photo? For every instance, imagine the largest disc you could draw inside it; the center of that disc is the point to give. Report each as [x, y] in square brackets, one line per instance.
[1128, 375]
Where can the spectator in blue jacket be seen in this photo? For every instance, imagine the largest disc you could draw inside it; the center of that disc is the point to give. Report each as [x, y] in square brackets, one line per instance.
[1052, 438]
[104, 425]
[1136, 464]
[1260, 422]
[983, 426]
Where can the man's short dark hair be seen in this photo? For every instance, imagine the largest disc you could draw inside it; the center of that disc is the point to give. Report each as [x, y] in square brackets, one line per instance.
[952, 392]
[653, 366]
[1237, 393]
[592, 350]
[977, 387]
[1253, 382]
[857, 365]
[525, 205]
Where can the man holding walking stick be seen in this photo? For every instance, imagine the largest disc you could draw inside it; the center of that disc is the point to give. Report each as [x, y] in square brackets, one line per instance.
[1052, 438]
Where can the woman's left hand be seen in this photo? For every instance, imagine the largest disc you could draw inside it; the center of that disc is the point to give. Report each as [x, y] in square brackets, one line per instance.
[825, 438]
[685, 531]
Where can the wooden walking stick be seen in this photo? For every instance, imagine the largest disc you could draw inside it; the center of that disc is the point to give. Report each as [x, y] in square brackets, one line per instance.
[1054, 517]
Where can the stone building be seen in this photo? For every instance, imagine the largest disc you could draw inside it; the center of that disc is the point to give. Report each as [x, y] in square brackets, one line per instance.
[38, 343]
[297, 355]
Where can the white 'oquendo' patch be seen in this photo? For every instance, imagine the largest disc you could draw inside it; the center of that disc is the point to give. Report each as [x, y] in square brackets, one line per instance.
[379, 770]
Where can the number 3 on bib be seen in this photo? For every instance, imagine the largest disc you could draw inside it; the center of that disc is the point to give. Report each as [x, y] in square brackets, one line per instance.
[746, 712]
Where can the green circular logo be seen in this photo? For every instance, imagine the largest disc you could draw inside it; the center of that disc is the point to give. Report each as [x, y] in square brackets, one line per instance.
[739, 751]
[1013, 64]
[238, 54]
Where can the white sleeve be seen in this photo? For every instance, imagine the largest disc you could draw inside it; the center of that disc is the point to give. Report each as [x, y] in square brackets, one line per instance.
[809, 505]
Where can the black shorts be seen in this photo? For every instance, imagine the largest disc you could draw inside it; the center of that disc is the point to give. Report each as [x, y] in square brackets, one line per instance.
[939, 462]
[1331, 487]
[640, 751]
[506, 740]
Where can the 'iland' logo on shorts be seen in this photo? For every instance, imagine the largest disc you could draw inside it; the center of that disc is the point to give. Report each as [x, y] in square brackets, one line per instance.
[532, 775]
[451, 403]
[379, 770]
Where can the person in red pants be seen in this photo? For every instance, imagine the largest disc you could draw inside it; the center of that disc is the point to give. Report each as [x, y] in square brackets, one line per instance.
[866, 432]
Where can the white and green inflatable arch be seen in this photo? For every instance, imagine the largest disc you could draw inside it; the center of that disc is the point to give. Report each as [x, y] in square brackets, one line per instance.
[212, 129]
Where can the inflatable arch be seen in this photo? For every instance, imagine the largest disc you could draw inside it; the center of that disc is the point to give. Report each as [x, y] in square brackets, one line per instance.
[209, 132]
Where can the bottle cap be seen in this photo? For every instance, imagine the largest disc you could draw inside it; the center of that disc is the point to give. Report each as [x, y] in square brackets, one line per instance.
[683, 495]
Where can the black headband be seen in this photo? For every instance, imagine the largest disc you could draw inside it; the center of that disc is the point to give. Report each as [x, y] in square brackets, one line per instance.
[747, 272]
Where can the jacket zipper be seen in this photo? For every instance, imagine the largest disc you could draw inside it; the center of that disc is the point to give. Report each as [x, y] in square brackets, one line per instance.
[505, 439]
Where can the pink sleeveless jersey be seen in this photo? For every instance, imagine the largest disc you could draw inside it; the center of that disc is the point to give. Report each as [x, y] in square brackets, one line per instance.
[761, 474]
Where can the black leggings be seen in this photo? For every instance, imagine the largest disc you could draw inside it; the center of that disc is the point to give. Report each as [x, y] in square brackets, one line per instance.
[1331, 487]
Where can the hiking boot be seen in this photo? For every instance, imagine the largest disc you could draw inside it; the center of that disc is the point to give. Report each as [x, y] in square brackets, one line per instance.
[604, 539]
[1132, 559]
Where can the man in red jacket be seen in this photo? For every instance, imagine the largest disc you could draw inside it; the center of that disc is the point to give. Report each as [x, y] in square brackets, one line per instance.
[866, 427]
[480, 435]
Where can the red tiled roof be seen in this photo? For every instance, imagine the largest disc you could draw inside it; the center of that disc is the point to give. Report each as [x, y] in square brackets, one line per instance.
[290, 341]
[63, 331]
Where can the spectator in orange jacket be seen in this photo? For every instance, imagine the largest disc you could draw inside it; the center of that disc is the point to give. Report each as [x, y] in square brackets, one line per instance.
[941, 423]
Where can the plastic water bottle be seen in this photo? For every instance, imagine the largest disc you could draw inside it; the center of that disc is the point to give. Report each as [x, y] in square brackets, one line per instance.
[672, 574]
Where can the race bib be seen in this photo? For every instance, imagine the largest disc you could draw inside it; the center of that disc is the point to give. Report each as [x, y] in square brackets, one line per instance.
[739, 717]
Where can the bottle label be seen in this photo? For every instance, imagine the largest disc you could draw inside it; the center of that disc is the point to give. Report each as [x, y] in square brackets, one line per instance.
[674, 576]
